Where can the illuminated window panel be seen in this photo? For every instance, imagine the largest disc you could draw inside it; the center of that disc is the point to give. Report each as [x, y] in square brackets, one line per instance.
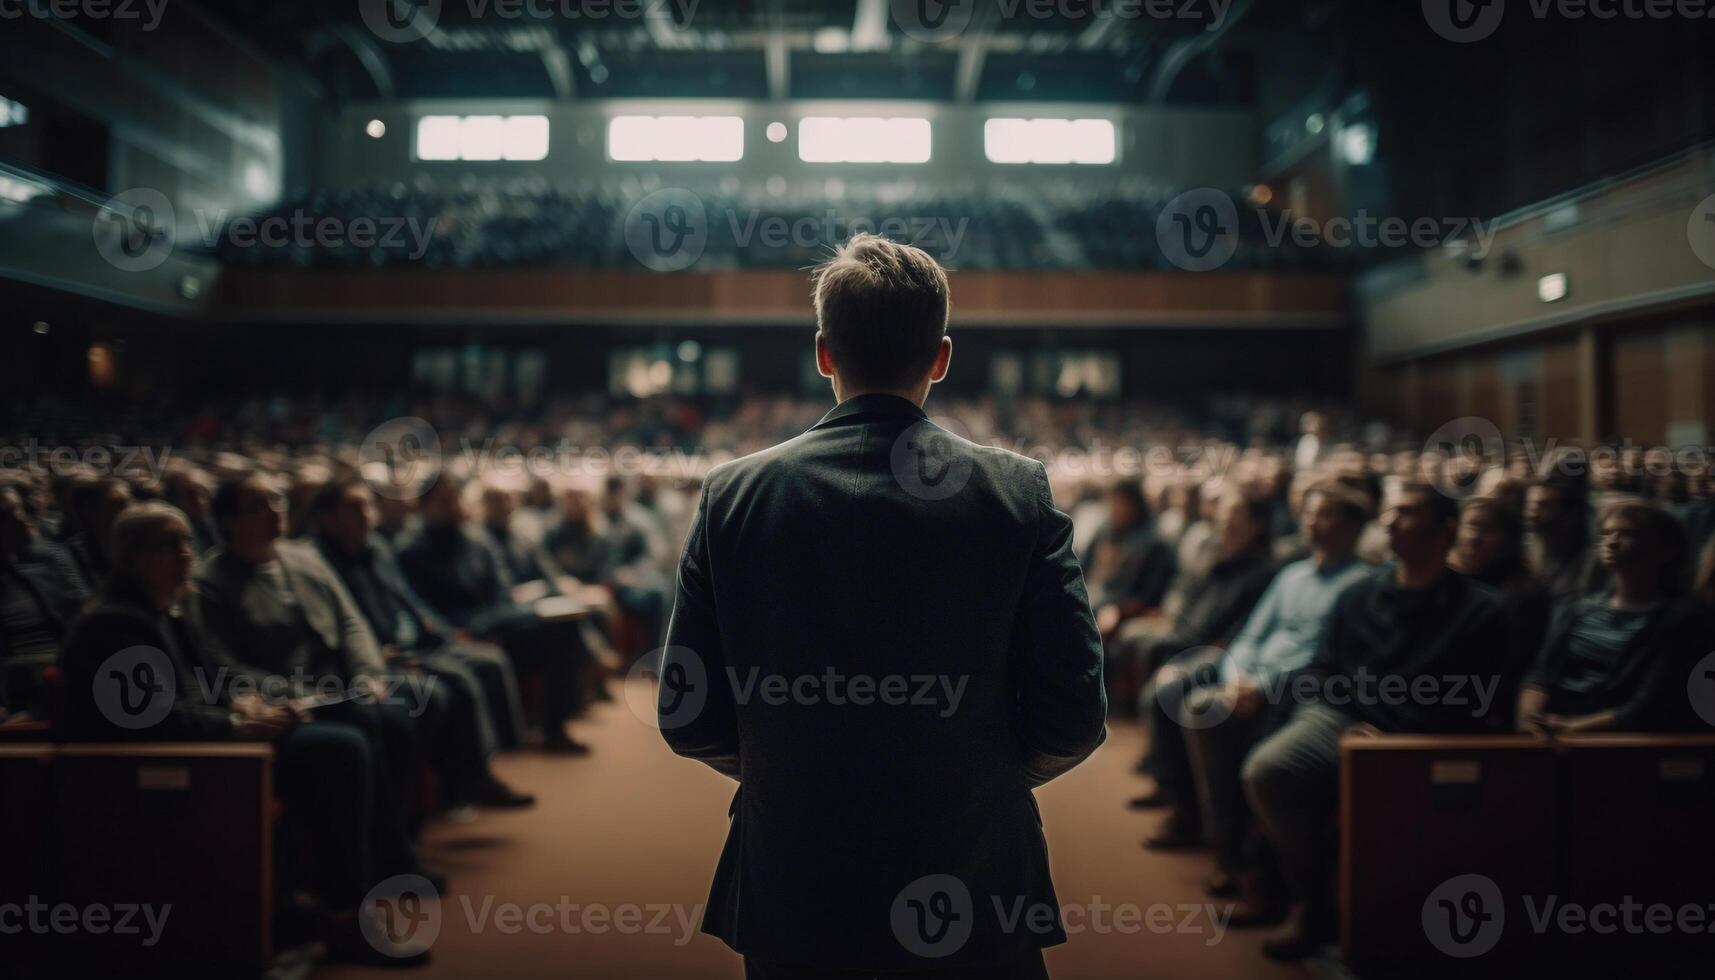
[1050, 141]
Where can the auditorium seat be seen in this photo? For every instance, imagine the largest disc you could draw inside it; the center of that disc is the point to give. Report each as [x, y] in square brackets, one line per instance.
[26, 816]
[1641, 821]
[1419, 811]
[188, 825]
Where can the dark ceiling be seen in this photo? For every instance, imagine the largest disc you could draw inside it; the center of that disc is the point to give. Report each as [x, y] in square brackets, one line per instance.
[1176, 51]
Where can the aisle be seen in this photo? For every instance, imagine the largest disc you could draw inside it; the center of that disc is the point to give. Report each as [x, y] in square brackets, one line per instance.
[622, 845]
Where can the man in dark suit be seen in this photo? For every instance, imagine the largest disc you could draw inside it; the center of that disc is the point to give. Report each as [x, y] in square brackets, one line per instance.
[881, 631]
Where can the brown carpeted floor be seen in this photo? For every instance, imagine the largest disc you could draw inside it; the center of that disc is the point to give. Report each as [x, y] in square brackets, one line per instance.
[633, 825]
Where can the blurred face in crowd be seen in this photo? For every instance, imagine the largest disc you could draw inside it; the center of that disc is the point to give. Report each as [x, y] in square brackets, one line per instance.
[1326, 528]
[257, 519]
[350, 520]
[540, 495]
[1546, 511]
[1236, 528]
[161, 562]
[1481, 541]
[575, 508]
[1624, 544]
[443, 505]
[16, 527]
[115, 496]
[1122, 510]
[497, 507]
[1416, 534]
[391, 513]
[190, 493]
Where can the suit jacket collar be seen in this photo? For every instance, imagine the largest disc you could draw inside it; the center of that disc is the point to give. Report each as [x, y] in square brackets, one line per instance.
[861, 408]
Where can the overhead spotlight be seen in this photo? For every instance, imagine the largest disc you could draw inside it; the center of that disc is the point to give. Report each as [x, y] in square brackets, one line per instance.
[1261, 195]
[375, 128]
[776, 132]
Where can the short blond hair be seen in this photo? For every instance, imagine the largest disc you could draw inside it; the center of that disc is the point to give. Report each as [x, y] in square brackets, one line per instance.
[882, 310]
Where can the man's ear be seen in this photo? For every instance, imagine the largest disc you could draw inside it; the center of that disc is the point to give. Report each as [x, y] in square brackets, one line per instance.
[824, 360]
[943, 359]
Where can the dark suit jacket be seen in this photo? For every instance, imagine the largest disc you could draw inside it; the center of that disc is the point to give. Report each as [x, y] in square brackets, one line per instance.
[822, 581]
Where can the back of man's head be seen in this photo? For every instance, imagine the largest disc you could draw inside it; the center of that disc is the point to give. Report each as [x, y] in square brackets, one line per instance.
[882, 311]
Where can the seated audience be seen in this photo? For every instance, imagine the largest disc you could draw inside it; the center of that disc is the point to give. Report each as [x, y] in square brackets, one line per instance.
[476, 677]
[41, 592]
[1233, 703]
[1416, 626]
[1490, 549]
[1214, 608]
[1557, 546]
[462, 578]
[1620, 660]
[1127, 568]
[324, 769]
[95, 502]
[272, 615]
